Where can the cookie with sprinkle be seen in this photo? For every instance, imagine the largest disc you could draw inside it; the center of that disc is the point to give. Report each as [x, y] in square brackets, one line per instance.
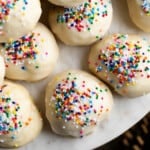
[18, 116]
[10, 120]
[5, 9]
[123, 61]
[139, 11]
[83, 24]
[76, 102]
[31, 57]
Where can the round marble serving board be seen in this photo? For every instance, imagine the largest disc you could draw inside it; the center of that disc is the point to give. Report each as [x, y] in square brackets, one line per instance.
[126, 112]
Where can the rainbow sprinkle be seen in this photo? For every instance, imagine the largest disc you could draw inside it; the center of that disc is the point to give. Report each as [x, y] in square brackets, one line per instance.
[83, 16]
[74, 102]
[10, 120]
[5, 9]
[146, 6]
[123, 58]
[25, 48]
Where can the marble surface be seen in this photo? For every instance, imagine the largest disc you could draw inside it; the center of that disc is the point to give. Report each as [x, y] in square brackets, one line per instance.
[126, 112]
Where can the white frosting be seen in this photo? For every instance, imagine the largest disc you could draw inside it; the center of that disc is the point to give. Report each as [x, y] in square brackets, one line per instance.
[123, 62]
[20, 120]
[76, 102]
[67, 3]
[81, 25]
[31, 57]
[20, 19]
[2, 69]
[140, 13]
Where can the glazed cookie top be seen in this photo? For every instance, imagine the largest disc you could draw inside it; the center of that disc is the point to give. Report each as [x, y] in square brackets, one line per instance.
[23, 49]
[80, 18]
[124, 59]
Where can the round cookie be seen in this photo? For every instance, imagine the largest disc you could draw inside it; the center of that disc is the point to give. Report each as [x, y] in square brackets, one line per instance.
[32, 57]
[2, 70]
[123, 61]
[67, 3]
[76, 102]
[20, 121]
[81, 25]
[17, 18]
[139, 11]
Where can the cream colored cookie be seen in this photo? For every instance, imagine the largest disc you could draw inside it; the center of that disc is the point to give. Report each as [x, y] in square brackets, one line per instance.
[2, 70]
[67, 3]
[81, 25]
[17, 18]
[140, 13]
[32, 57]
[123, 61]
[76, 102]
[20, 121]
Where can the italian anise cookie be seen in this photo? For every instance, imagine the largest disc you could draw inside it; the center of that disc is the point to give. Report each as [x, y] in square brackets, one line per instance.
[20, 121]
[83, 24]
[123, 61]
[31, 57]
[76, 102]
